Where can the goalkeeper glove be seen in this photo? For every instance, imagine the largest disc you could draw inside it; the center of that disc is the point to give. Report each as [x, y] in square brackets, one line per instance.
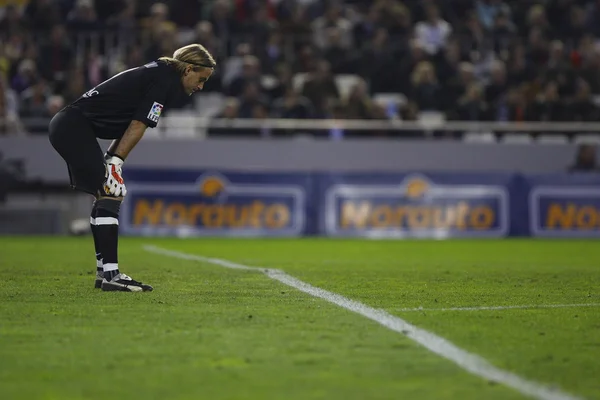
[114, 184]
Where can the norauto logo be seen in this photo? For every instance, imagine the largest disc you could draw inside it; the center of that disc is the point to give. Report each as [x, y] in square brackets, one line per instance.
[417, 207]
[565, 211]
[213, 205]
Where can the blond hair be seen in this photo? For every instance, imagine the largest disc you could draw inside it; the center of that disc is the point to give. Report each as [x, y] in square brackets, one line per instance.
[192, 54]
[420, 70]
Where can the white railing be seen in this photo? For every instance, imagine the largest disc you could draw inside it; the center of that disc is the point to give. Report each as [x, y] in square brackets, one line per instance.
[398, 125]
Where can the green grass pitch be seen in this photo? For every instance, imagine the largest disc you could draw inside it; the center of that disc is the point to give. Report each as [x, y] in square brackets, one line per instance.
[208, 332]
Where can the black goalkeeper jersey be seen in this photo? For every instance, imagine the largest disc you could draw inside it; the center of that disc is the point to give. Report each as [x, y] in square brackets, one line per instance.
[140, 94]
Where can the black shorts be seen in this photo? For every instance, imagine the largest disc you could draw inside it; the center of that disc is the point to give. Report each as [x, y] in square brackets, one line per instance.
[73, 137]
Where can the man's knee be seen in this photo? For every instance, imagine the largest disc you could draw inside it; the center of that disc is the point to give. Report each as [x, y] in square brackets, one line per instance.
[111, 205]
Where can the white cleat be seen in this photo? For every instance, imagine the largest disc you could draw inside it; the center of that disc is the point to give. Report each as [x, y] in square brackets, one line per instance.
[124, 283]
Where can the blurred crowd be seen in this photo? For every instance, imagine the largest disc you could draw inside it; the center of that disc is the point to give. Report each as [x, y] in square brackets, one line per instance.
[490, 60]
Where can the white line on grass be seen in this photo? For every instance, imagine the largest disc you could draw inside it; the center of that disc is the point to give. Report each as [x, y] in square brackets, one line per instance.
[472, 363]
[500, 307]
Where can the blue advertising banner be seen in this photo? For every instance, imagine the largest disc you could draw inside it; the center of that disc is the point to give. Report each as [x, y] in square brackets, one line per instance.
[196, 203]
[564, 205]
[176, 202]
[417, 205]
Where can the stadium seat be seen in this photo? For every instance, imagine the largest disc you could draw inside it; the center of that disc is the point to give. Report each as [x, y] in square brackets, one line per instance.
[552, 139]
[431, 117]
[298, 80]
[516, 138]
[345, 83]
[181, 124]
[208, 104]
[590, 138]
[391, 101]
[268, 81]
[479, 137]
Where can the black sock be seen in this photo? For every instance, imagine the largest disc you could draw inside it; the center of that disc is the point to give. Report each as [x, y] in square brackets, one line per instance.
[96, 240]
[107, 228]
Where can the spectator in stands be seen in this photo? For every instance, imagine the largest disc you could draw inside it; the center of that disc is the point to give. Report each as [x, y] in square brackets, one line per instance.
[581, 107]
[25, 77]
[402, 81]
[333, 18]
[489, 10]
[230, 109]
[163, 44]
[306, 59]
[520, 51]
[519, 69]
[11, 23]
[83, 17]
[498, 84]
[585, 160]
[538, 48]
[593, 16]
[42, 15]
[272, 54]
[283, 80]
[234, 64]
[292, 105]
[433, 32]
[335, 53]
[536, 20]
[34, 100]
[577, 27]
[457, 86]
[548, 105]
[396, 18]
[447, 66]
[425, 88]
[472, 105]
[124, 21]
[250, 73]
[358, 104]
[591, 70]
[259, 26]
[55, 57]
[159, 21]
[472, 35]
[54, 104]
[503, 35]
[376, 63]
[251, 97]
[75, 85]
[9, 108]
[96, 70]
[320, 86]
[366, 27]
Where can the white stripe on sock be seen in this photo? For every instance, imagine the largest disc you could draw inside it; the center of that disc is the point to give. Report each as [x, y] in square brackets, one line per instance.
[110, 267]
[107, 221]
[92, 221]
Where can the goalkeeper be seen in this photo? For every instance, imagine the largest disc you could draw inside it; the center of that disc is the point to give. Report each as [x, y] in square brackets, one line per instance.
[121, 108]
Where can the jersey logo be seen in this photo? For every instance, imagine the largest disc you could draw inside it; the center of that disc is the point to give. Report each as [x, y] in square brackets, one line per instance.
[155, 112]
[90, 93]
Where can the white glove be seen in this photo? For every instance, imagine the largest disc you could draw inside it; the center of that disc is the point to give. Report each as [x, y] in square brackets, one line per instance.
[114, 180]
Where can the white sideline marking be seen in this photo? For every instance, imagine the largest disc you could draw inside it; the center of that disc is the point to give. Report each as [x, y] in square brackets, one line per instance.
[470, 362]
[500, 307]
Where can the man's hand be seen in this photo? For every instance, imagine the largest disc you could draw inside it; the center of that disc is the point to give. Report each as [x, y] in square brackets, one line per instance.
[114, 184]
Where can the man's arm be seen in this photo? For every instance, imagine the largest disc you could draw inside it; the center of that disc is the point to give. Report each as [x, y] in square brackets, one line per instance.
[133, 134]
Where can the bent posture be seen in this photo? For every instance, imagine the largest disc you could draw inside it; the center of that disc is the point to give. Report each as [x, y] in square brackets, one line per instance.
[121, 108]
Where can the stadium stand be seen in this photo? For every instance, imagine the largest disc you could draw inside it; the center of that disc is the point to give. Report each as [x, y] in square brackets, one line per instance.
[410, 60]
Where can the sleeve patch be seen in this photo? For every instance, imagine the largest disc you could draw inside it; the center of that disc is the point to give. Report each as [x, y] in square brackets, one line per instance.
[155, 112]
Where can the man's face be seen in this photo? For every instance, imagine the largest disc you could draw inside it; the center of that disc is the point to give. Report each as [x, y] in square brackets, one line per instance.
[194, 81]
